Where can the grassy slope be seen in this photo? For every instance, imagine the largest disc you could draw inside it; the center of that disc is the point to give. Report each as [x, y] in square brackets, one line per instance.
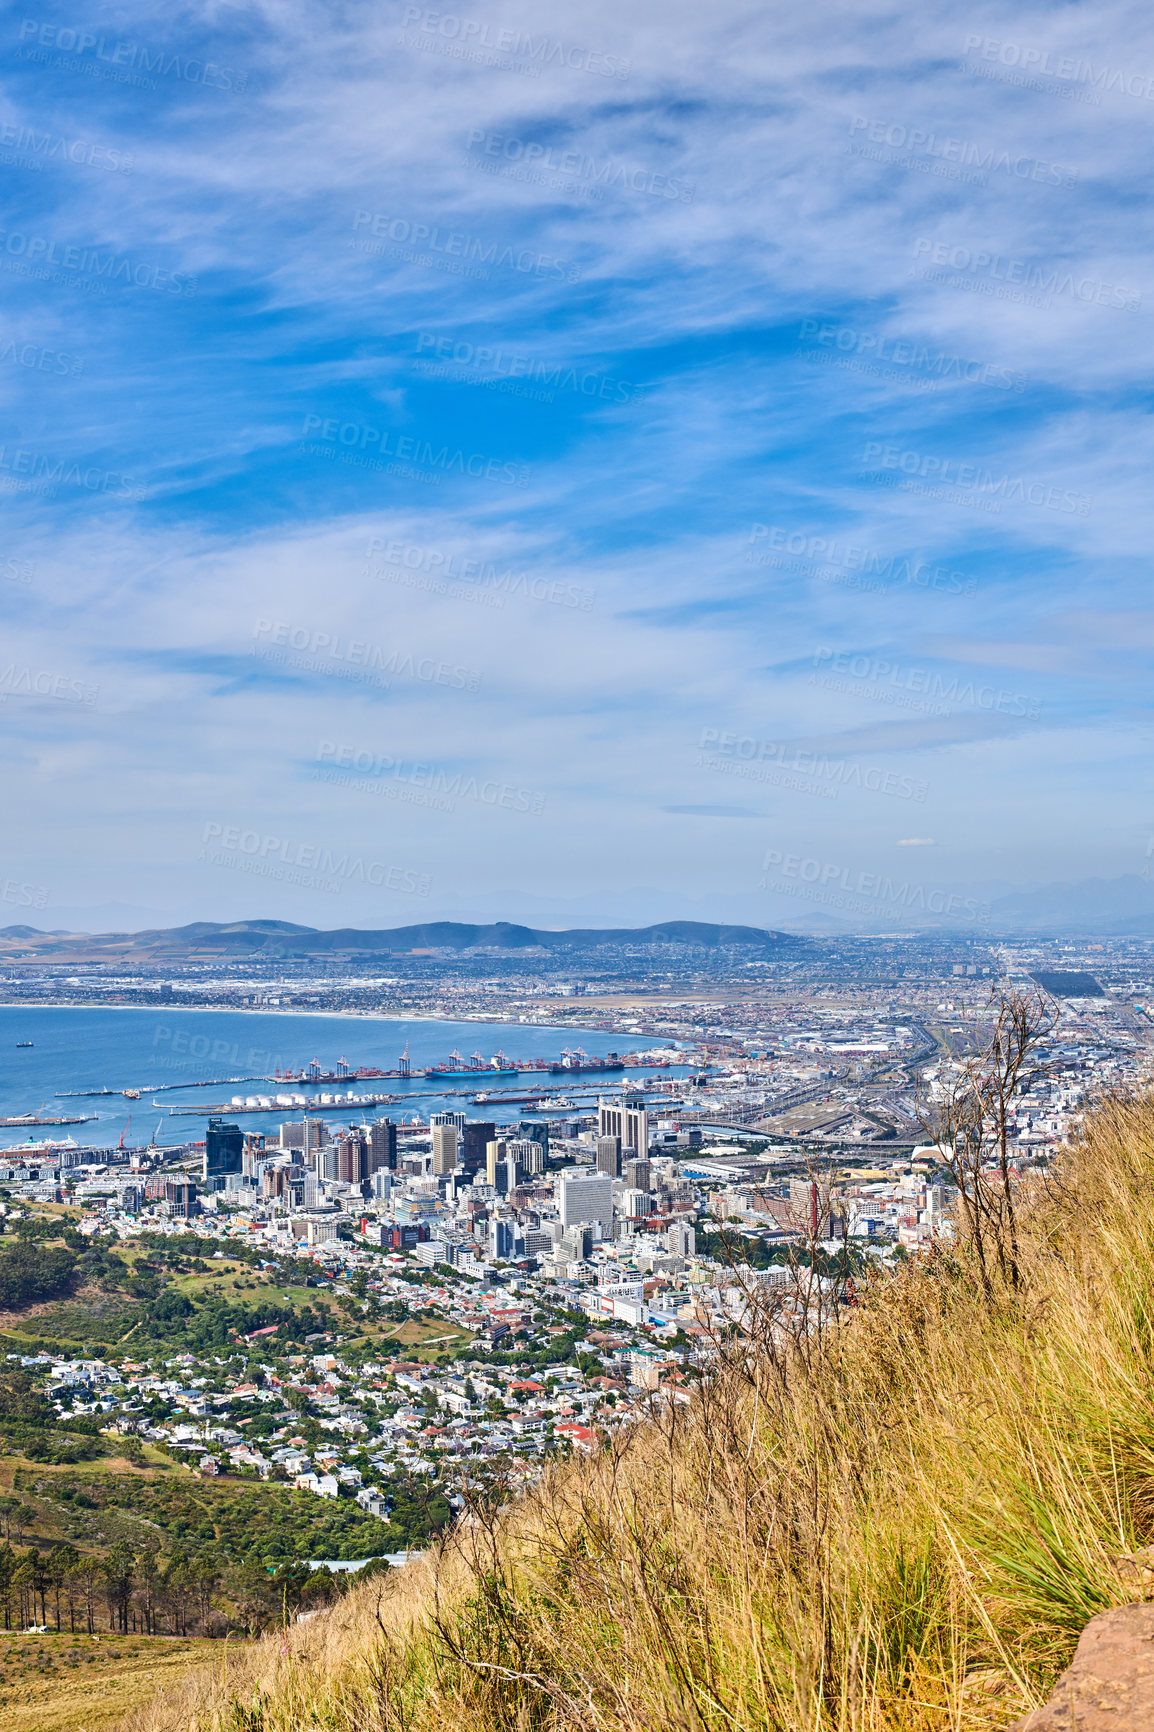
[64, 1683]
[902, 1531]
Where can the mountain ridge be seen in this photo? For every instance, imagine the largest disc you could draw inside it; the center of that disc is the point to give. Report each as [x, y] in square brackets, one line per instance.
[283, 938]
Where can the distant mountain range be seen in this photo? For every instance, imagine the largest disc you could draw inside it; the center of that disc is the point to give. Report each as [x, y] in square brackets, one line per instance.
[206, 938]
[1108, 907]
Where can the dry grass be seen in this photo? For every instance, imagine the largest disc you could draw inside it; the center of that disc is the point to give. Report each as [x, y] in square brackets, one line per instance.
[900, 1530]
[62, 1683]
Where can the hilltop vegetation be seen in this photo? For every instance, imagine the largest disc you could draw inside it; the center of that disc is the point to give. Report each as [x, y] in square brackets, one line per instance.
[897, 1523]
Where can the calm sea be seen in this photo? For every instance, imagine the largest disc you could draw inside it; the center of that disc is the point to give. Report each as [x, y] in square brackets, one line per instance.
[204, 1050]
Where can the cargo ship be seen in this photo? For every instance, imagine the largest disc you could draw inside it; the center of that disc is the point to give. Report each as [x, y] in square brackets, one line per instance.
[33, 1119]
[455, 1065]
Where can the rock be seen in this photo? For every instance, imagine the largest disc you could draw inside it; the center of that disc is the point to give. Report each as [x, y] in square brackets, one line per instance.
[1109, 1686]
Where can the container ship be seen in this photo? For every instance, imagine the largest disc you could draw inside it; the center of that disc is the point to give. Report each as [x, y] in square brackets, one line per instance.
[455, 1065]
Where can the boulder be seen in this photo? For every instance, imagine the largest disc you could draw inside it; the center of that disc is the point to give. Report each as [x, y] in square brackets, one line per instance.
[1109, 1685]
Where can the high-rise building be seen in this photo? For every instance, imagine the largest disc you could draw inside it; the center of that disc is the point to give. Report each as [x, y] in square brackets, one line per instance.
[478, 1134]
[636, 1174]
[609, 1156]
[502, 1239]
[383, 1145]
[532, 1131]
[680, 1239]
[444, 1148]
[223, 1153]
[635, 1205]
[629, 1122]
[457, 1120]
[528, 1155]
[576, 1243]
[495, 1153]
[585, 1198]
[350, 1157]
[180, 1195]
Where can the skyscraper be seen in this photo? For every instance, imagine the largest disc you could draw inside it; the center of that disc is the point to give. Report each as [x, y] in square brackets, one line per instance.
[223, 1153]
[609, 1156]
[383, 1145]
[528, 1155]
[495, 1152]
[583, 1198]
[444, 1148]
[629, 1122]
[636, 1173]
[478, 1134]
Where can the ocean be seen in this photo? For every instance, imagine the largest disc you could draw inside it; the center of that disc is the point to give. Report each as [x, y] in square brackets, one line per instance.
[206, 1052]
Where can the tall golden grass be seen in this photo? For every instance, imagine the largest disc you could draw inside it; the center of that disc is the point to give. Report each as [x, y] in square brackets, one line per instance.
[902, 1526]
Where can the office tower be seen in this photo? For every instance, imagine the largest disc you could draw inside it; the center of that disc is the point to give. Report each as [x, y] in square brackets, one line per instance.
[382, 1184]
[383, 1145]
[629, 1122]
[223, 1153]
[352, 1159]
[636, 1174]
[495, 1153]
[180, 1194]
[457, 1120]
[444, 1148]
[479, 1133]
[681, 1239]
[635, 1206]
[502, 1239]
[609, 1156]
[583, 1198]
[252, 1152]
[529, 1155]
[531, 1132]
[575, 1244]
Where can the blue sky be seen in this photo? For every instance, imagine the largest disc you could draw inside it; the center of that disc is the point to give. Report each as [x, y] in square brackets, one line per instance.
[534, 464]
